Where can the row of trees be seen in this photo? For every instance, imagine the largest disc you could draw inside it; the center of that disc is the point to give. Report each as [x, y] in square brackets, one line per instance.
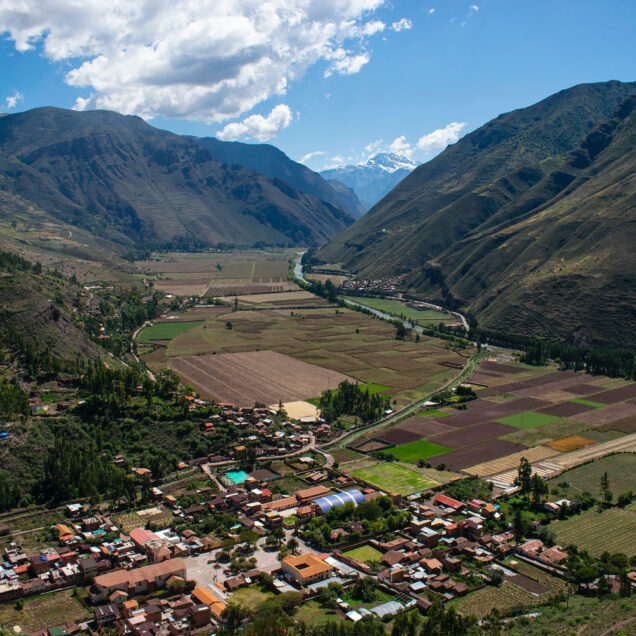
[352, 399]
[13, 400]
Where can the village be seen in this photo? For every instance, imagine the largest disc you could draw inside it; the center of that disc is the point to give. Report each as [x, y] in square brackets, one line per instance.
[336, 542]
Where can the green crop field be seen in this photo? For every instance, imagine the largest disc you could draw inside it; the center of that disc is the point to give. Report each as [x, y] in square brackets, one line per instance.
[527, 419]
[417, 450]
[393, 478]
[612, 530]
[399, 309]
[364, 554]
[597, 405]
[166, 330]
[505, 597]
[620, 469]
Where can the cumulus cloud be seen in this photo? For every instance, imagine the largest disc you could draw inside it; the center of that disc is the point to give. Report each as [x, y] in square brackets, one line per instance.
[206, 60]
[13, 100]
[441, 137]
[257, 126]
[311, 155]
[402, 25]
[431, 11]
[400, 146]
[474, 7]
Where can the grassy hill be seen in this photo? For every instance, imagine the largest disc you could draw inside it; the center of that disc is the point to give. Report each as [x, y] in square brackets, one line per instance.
[129, 183]
[528, 221]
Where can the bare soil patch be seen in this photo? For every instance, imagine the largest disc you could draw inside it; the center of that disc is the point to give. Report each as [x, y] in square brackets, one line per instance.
[256, 376]
[607, 414]
[510, 462]
[582, 389]
[472, 434]
[514, 387]
[497, 368]
[567, 409]
[615, 395]
[413, 429]
[527, 583]
[626, 425]
[483, 452]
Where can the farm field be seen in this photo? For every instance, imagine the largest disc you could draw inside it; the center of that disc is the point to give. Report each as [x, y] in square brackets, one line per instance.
[323, 278]
[220, 273]
[397, 308]
[393, 478]
[505, 597]
[166, 330]
[613, 530]
[417, 450]
[567, 444]
[258, 376]
[341, 340]
[620, 469]
[364, 554]
[40, 612]
[527, 419]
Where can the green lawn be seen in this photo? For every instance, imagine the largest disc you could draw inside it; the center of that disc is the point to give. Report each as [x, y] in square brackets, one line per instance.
[364, 554]
[398, 309]
[51, 397]
[527, 419]
[434, 413]
[597, 405]
[312, 614]
[166, 330]
[393, 478]
[251, 597]
[417, 450]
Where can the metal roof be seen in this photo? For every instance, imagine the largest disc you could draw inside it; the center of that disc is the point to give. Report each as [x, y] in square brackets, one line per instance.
[339, 499]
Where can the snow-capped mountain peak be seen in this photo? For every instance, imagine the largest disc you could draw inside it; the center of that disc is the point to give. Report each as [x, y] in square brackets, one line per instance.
[390, 162]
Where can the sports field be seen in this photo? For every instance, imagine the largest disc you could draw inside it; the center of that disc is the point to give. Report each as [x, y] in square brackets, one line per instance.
[394, 478]
[417, 450]
[613, 530]
[527, 419]
[166, 330]
[364, 554]
[397, 308]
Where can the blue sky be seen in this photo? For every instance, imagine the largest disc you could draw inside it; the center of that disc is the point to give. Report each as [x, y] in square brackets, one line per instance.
[330, 81]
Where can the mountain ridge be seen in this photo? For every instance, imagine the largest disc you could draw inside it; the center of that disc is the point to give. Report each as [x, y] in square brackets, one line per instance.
[122, 179]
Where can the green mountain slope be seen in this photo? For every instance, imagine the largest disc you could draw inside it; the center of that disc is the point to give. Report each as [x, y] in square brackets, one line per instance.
[121, 179]
[437, 204]
[559, 256]
[273, 163]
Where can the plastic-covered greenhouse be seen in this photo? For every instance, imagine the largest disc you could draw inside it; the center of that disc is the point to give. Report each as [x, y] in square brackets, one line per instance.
[353, 496]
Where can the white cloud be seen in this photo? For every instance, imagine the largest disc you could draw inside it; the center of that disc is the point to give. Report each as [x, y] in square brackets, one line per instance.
[474, 7]
[373, 147]
[402, 25]
[311, 155]
[344, 63]
[257, 126]
[431, 11]
[206, 60]
[441, 137]
[400, 146]
[13, 100]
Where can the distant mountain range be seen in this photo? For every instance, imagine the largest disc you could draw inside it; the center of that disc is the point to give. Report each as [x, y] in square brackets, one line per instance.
[529, 221]
[121, 179]
[374, 178]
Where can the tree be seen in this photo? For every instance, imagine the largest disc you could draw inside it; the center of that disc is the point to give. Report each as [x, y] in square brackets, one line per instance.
[626, 584]
[524, 475]
[248, 536]
[518, 526]
[539, 488]
[605, 489]
[292, 545]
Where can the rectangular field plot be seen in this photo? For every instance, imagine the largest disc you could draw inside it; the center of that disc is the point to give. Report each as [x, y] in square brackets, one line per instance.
[166, 330]
[412, 430]
[607, 414]
[508, 462]
[620, 469]
[483, 410]
[417, 450]
[485, 451]
[393, 478]
[472, 434]
[257, 376]
[505, 597]
[613, 530]
[364, 554]
[570, 443]
[527, 419]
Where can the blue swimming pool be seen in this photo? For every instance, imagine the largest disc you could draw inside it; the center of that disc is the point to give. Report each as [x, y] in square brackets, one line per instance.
[237, 476]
